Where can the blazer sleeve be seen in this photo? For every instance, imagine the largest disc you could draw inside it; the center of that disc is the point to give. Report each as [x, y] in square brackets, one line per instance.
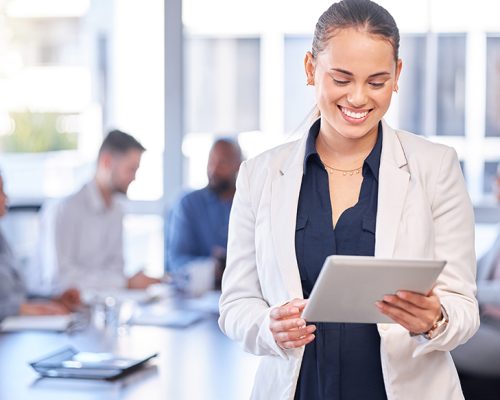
[244, 314]
[454, 241]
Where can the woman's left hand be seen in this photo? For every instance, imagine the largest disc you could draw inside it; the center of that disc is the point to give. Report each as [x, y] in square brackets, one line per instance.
[415, 312]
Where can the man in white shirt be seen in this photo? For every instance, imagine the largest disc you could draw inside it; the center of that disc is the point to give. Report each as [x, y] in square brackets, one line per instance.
[86, 250]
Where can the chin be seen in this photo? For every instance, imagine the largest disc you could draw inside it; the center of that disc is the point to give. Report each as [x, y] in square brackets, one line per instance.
[352, 131]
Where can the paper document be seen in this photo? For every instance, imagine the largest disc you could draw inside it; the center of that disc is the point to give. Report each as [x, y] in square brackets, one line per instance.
[36, 323]
[140, 296]
[171, 318]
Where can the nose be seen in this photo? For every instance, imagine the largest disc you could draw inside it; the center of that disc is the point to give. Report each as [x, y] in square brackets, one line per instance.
[357, 97]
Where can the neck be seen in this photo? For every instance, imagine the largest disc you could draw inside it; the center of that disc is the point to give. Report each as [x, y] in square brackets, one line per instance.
[344, 153]
[105, 191]
[227, 194]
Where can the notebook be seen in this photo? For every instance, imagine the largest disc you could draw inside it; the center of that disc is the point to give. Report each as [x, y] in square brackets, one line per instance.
[58, 323]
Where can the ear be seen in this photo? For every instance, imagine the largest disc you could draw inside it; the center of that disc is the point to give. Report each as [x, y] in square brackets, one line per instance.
[105, 160]
[309, 66]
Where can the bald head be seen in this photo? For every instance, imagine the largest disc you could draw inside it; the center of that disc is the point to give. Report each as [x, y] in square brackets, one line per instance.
[223, 164]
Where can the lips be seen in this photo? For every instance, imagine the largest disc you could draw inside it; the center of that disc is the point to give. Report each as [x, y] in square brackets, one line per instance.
[354, 116]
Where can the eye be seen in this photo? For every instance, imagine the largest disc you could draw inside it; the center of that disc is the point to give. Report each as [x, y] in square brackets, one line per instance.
[339, 82]
[377, 85]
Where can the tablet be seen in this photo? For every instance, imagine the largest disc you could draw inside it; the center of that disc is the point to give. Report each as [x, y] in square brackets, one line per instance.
[348, 286]
[70, 363]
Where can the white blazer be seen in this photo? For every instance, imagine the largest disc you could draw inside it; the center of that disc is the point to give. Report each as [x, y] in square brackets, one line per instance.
[423, 211]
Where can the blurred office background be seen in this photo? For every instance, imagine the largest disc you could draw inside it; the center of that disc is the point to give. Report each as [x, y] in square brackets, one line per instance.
[72, 69]
[176, 74]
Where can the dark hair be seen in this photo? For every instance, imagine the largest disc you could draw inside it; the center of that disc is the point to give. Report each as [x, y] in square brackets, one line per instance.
[118, 142]
[362, 14]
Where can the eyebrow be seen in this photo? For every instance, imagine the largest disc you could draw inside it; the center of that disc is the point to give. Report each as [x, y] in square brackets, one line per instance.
[343, 71]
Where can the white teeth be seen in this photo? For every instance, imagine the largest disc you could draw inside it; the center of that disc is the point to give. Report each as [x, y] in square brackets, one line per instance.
[354, 114]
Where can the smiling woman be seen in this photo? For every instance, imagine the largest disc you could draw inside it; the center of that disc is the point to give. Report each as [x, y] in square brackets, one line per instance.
[352, 186]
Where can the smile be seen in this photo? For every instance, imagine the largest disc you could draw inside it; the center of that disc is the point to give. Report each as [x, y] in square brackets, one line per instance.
[353, 114]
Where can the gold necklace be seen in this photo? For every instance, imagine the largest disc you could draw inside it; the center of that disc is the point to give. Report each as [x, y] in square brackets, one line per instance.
[345, 172]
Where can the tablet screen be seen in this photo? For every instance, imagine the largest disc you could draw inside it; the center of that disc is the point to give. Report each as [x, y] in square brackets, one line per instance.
[348, 286]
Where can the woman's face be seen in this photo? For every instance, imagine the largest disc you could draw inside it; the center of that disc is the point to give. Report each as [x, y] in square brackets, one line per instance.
[3, 199]
[354, 77]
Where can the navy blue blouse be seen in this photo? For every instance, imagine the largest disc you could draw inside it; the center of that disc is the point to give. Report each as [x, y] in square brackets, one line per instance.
[343, 362]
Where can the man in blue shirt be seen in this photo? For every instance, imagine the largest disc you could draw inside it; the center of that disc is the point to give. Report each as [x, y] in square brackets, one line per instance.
[198, 223]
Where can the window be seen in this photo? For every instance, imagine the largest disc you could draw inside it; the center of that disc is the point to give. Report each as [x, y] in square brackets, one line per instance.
[299, 99]
[493, 86]
[432, 95]
[411, 94]
[67, 76]
[450, 117]
[222, 96]
[222, 84]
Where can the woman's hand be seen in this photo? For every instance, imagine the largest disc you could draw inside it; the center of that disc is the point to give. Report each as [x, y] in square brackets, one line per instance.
[289, 329]
[416, 312]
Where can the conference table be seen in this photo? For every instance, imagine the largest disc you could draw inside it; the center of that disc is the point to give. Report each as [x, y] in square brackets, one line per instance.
[195, 362]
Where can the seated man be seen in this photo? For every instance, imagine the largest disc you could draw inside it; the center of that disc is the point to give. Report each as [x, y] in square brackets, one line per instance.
[198, 224]
[13, 299]
[85, 229]
[481, 354]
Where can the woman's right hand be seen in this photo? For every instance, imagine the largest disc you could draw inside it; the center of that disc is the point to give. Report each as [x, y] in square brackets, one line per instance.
[288, 327]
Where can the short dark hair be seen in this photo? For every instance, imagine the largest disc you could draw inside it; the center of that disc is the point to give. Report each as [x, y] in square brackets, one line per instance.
[362, 14]
[118, 142]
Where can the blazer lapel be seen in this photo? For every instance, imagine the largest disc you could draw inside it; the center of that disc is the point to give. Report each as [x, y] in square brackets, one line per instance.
[393, 186]
[284, 200]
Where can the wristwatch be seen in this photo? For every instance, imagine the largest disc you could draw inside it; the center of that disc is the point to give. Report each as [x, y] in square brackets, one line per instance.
[438, 326]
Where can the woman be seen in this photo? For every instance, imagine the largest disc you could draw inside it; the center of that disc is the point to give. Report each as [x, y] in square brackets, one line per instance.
[352, 186]
[12, 291]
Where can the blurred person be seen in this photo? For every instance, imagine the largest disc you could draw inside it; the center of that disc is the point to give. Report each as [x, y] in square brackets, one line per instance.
[352, 185]
[197, 224]
[481, 354]
[82, 235]
[496, 185]
[13, 295]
